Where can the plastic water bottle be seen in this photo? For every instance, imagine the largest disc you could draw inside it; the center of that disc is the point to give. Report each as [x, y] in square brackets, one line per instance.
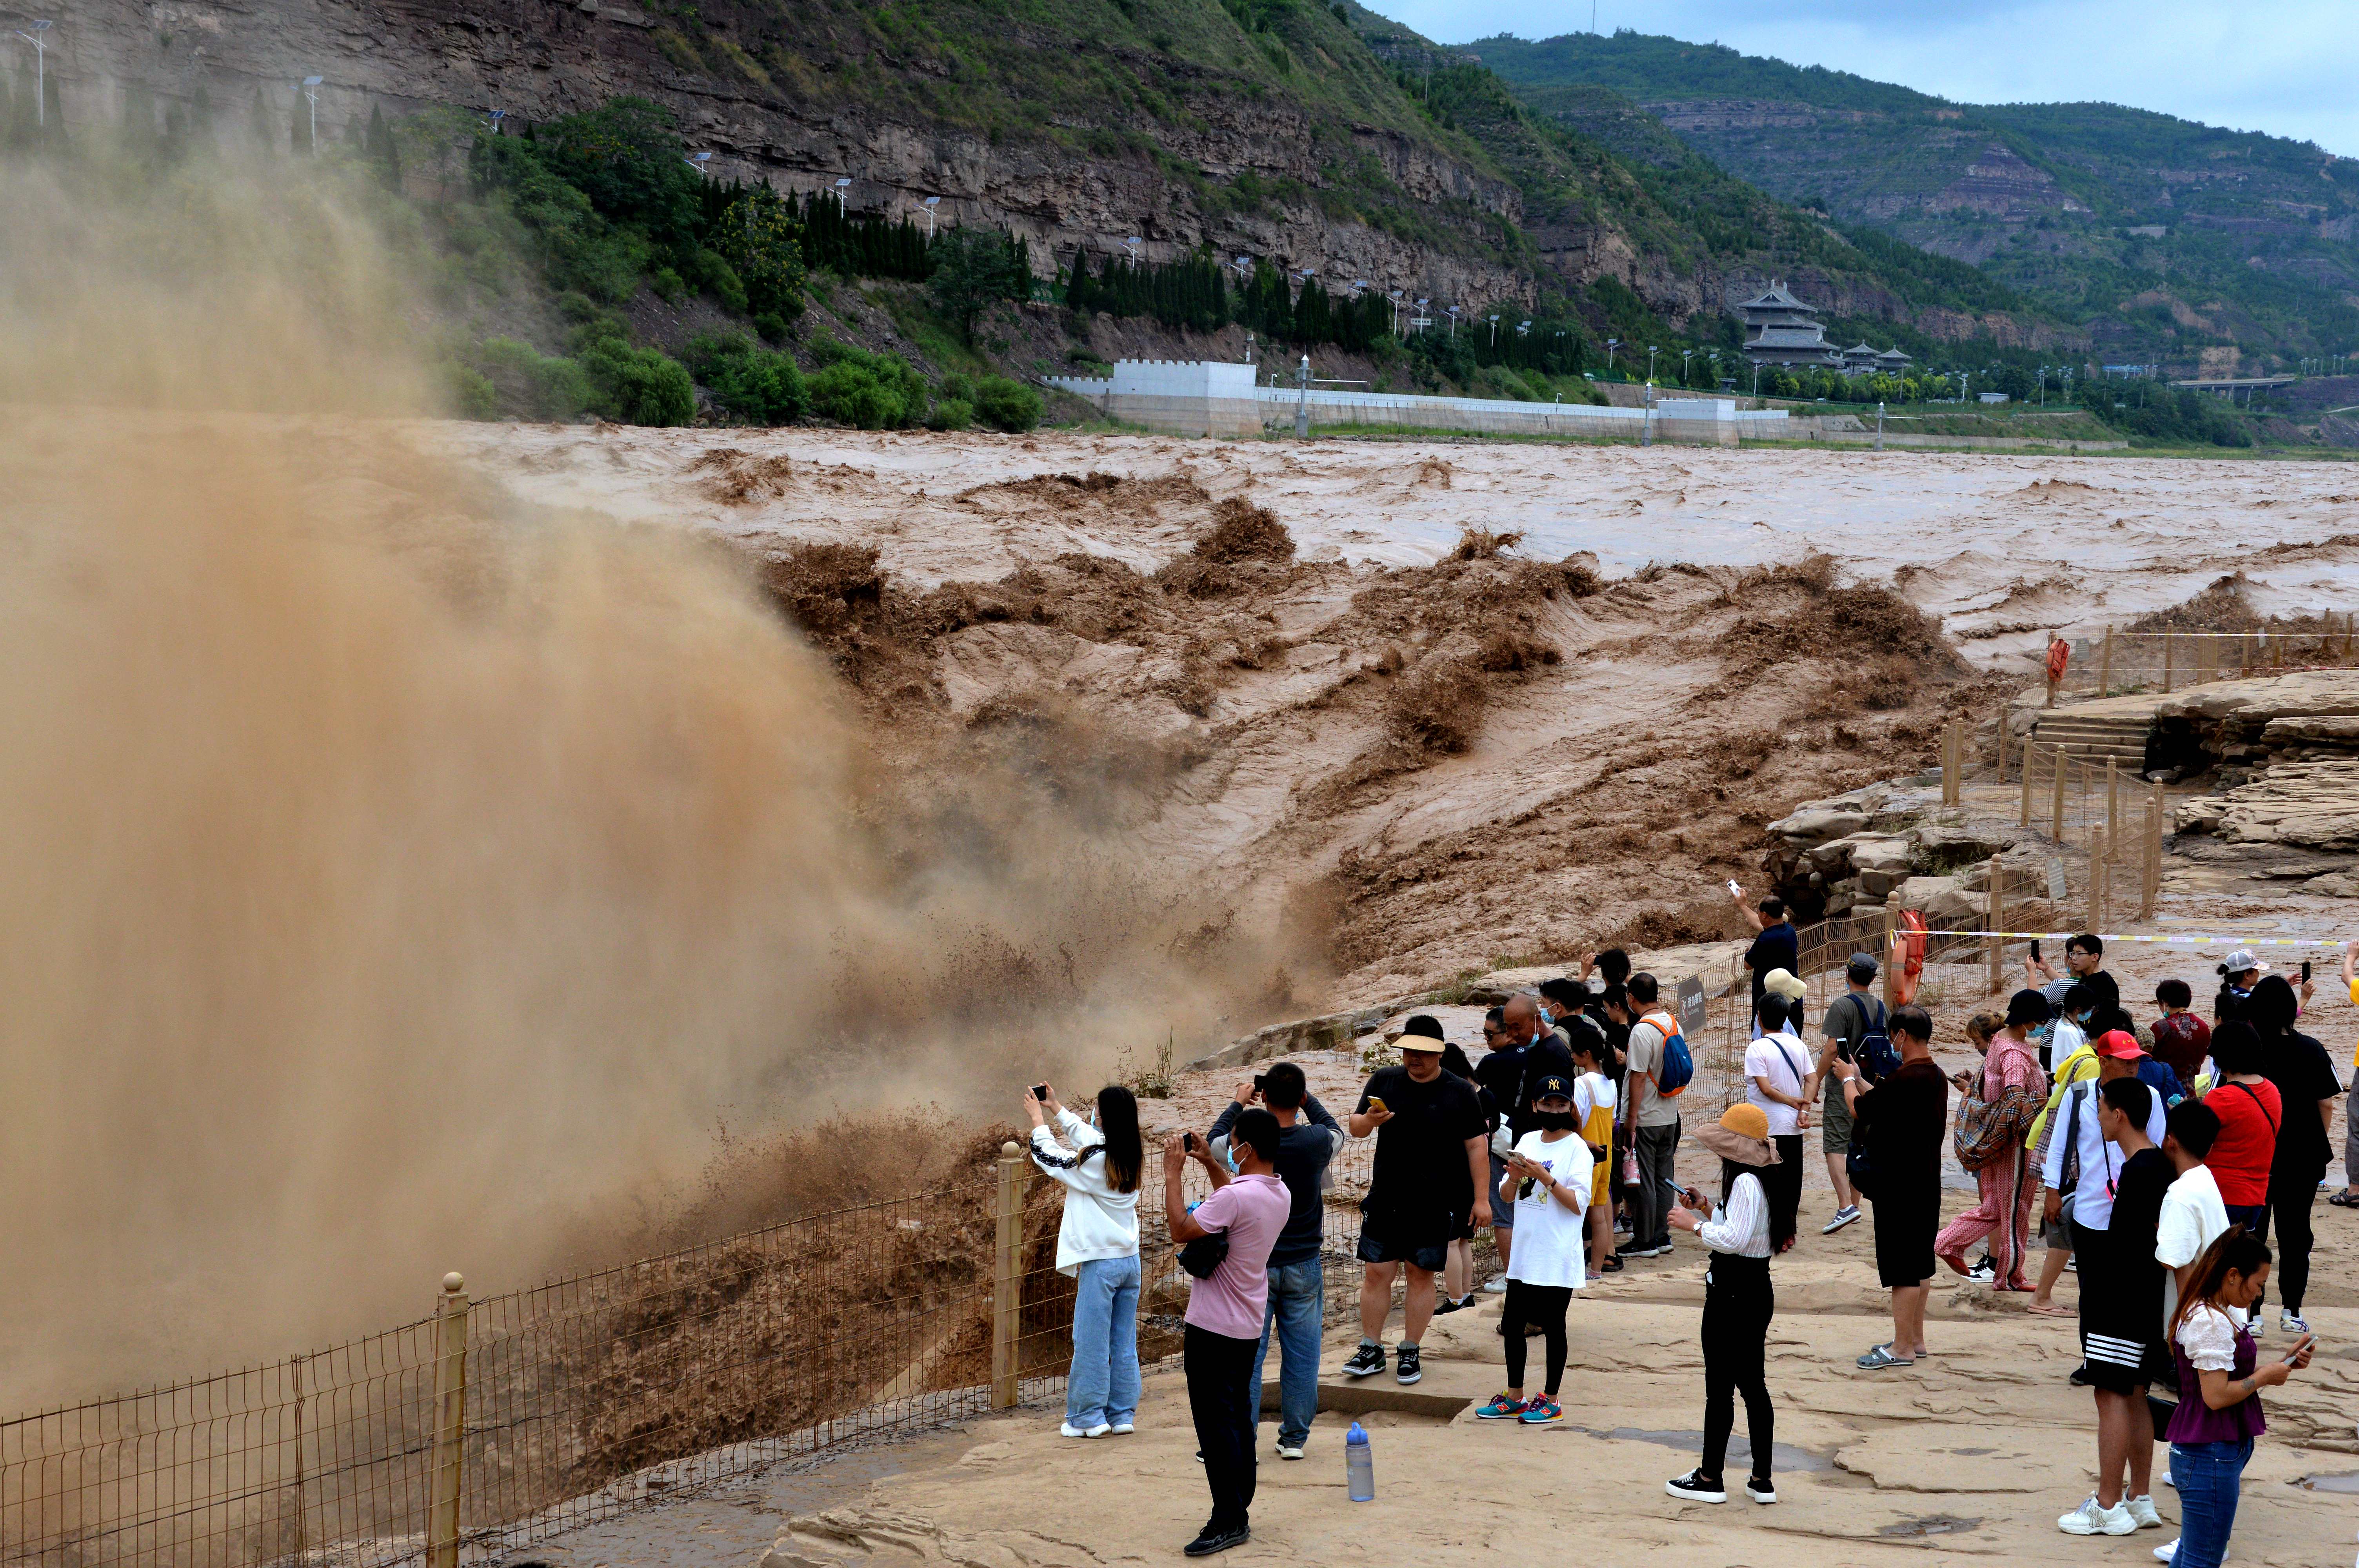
[1359, 1465]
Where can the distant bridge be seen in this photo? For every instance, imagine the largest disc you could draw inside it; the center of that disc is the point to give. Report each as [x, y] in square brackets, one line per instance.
[2228, 387]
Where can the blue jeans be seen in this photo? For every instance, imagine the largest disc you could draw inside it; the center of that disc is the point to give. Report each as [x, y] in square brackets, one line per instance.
[1103, 1383]
[1298, 1309]
[2207, 1475]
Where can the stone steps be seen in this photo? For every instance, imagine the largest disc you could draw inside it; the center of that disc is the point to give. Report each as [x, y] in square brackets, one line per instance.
[2090, 735]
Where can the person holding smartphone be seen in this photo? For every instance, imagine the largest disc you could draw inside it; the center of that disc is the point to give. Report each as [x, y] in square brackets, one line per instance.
[1549, 1180]
[1737, 1301]
[2220, 1380]
[1100, 1162]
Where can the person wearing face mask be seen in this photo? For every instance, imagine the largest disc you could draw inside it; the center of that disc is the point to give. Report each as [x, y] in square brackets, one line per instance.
[1548, 1182]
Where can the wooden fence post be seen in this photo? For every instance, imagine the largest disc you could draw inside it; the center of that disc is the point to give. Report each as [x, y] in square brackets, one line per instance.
[444, 1468]
[2112, 806]
[2056, 803]
[2027, 780]
[2170, 658]
[2150, 885]
[1008, 1285]
[2105, 665]
[1891, 924]
[2097, 879]
[1995, 912]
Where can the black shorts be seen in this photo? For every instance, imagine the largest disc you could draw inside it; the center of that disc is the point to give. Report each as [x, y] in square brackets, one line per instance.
[1420, 1239]
[1906, 1220]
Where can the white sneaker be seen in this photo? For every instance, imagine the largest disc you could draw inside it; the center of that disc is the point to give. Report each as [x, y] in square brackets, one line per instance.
[1497, 1287]
[1068, 1430]
[2292, 1322]
[1847, 1215]
[1286, 1452]
[2169, 1550]
[1981, 1274]
[2255, 1326]
[2092, 1518]
[1123, 1428]
[2142, 1510]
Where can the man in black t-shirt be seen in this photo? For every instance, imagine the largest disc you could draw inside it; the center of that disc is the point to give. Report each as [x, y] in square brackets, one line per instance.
[1778, 947]
[1903, 1122]
[1433, 1157]
[2122, 1345]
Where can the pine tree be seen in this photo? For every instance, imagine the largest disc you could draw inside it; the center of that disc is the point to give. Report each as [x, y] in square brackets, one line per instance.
[382, 152]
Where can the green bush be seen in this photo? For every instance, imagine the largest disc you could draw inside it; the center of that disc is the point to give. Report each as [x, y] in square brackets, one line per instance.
[866, 390]
[955, 384]
[471, 394]
[1005, 404]
[753, 383]
[951, 414]
[638, 386]
[530, 384]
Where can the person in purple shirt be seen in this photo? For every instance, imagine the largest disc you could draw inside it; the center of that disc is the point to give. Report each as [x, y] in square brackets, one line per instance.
[1225, 1310]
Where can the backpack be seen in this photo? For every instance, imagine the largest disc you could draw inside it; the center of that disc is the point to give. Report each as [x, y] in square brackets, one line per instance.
[1877, 1059]
[1679, 1067]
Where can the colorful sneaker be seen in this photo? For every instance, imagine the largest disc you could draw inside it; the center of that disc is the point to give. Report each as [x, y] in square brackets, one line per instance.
[1365, 1362]
[2092, 1517]
[1405, 1365]
[1543, 1411]
[2142, 1509]
[2292, 1322]
[1503, 1406]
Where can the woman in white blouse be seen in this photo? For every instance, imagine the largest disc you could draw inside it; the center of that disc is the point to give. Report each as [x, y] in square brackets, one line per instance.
[1737, 1301]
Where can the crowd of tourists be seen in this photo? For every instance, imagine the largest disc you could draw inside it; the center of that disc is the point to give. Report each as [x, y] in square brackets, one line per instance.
[2157, 1171]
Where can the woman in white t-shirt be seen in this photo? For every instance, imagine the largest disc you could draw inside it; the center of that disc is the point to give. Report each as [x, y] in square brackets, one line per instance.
[1776, 1078]
[1550, 1177]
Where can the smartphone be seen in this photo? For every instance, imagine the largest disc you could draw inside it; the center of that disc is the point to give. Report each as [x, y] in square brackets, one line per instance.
[1734, 891]
[2035, 947]
[2305, 971]
[1188, 1141]
[1040, 1093]
[1375, 1104]
[1261, 1081]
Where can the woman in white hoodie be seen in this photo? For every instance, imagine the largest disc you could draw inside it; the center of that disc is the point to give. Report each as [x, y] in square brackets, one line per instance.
[1099, 1162]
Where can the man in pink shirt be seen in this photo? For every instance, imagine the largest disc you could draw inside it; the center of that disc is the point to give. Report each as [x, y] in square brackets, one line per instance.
[1225, 1310]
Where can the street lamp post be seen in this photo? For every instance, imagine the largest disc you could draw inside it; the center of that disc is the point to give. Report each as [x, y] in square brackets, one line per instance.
[41, 72]
[931, 202]
[1687, 357]
[1453, 323]
[311, 97]
[697, 162]
[1133, 243]
[1651, 353]
[1495, 331]
[1611, 345]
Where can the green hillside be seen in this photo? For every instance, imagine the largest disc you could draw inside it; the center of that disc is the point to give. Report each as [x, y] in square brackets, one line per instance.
[2164, 238]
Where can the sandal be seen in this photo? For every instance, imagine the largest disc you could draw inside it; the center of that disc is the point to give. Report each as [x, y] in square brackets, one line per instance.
[2052, 1310]
[1878, 1359]
[2345, 1200]
[1611, 1266]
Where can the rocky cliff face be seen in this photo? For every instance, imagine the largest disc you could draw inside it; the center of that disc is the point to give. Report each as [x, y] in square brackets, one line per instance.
[791, 110]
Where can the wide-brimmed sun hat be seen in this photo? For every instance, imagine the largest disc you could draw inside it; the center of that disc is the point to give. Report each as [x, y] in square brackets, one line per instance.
[1740, 1134]
[1783, 982]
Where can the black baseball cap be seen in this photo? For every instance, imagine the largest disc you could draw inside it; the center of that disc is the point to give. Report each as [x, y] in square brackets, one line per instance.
[2028, 1007]
[1553, 1084]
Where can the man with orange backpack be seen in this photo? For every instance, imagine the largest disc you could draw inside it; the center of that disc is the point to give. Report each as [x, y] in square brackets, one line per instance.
[1657, 1071]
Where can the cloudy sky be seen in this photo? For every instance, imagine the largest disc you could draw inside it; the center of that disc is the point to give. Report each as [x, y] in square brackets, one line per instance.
[2290, 67]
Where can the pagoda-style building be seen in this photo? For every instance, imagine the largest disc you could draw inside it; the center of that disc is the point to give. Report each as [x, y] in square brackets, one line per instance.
[1779, 329]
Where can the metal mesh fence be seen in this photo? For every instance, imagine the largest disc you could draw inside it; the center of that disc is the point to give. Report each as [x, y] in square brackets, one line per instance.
[590, 1396]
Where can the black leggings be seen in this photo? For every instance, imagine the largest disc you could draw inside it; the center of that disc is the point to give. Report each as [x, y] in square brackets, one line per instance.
[1543, 1307]
[1737, 1306]
[2290, 1197]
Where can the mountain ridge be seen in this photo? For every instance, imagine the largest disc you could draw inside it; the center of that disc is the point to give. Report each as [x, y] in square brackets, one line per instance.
[2162, 238]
